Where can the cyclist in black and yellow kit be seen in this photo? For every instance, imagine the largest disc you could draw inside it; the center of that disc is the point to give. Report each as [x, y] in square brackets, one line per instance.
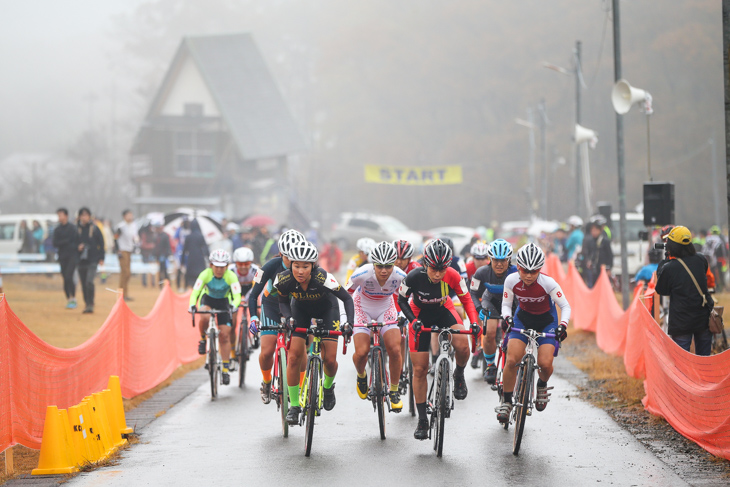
[308, 292]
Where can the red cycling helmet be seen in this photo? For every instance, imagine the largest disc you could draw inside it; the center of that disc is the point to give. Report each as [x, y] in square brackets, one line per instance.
[403, 248]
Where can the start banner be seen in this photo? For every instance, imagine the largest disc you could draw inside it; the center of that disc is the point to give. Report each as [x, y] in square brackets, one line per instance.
[413, 175]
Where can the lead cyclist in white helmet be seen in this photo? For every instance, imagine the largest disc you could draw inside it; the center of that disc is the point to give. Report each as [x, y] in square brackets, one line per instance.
[364, 247]
[245, 270]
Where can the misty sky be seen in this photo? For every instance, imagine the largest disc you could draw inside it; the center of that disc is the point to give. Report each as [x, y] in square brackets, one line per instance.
[53, 55]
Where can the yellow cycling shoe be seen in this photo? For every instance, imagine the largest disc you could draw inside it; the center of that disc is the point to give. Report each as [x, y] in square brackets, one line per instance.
[395, 403]
[362, 387]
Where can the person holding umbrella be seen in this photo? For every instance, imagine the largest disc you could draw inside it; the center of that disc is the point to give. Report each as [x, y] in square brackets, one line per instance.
[194, 253]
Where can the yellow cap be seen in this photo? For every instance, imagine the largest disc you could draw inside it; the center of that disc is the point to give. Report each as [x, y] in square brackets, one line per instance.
[680, 235]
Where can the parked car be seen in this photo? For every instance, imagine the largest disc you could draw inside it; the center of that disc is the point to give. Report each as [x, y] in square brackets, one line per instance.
[461, 236]
[636, 247]
[353, 226]
[10, 238]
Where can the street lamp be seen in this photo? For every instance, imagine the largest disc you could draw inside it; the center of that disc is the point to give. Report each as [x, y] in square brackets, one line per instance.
[530, 124]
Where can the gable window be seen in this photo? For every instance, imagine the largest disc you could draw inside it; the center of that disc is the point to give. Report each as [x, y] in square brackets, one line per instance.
[194, 153]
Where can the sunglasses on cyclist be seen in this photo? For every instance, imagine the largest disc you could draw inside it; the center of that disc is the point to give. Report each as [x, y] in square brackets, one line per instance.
[500, 261]
[525, 271]
[384, 266]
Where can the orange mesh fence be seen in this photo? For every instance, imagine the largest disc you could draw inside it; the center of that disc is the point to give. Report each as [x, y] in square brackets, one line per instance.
[142, 351]
[691, 392]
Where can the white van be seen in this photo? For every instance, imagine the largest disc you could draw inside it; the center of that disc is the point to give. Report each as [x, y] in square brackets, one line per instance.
[11, 239]
[637, 248]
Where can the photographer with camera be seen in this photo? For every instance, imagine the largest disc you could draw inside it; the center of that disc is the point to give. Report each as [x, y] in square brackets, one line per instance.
[682, 277]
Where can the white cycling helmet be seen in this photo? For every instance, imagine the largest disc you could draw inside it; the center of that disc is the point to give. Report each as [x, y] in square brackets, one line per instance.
[530, 257]
[365, 244]
[289, 238]
[575, 220]
[303, 252]
[383, 254]
[480, 250]
[243, 254]
[220, 258]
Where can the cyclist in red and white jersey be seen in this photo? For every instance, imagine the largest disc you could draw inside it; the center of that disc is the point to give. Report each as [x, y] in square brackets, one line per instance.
[536, 294]
[245, 270]
[372, 286]
[479, 258]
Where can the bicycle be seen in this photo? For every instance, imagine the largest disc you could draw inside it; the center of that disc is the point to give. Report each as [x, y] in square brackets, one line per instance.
[499, 363]
[405, 385]
[311, 394]
[244, 344]
[279, 390]
[440, 401]
[524, 393]
[213, 361]
[379, 377]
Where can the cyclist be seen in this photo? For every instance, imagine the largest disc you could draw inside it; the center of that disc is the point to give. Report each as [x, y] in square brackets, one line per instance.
[486, 289]
[245, 271]
[429, 286]
[217, 288]
[479, 258]
[537, 294]
[270, 313]
[372, 286]
[364, 246]
[308, 292]
[405, 261]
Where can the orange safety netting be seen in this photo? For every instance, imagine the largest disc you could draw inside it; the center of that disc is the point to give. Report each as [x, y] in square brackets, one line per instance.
[691, 392]
[142, 351]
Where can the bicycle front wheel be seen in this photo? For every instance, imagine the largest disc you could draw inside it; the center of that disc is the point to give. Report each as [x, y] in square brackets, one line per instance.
[524, 389]
[411, 398]
[283, 392]
[377, 392]
[242, 354]
[312, 400]
[442, 405]
[213, 366]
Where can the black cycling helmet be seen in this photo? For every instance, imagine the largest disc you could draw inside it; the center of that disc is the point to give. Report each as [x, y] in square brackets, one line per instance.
[437, 254]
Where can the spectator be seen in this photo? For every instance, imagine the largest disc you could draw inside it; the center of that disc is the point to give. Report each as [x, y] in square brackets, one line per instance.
[162, 251]
[66, 241]
[333, 255]
[48, 246]
[29, 245]
[181, 234]
[716, 254]
[689, 308]
[91, 255]
[195, 251]
[647, 272]
[126, 239]
[1, 284]
[596, 252]
[146, 245]
[38, 236]
[575, 238]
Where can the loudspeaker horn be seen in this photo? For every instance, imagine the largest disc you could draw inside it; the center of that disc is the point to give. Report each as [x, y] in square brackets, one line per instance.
[582, 134]
[623, 96]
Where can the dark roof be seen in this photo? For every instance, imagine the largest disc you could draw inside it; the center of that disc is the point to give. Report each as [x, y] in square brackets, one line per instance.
[245, 92]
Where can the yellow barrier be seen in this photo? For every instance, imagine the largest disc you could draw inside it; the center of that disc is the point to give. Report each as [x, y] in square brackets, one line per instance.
[88, 432]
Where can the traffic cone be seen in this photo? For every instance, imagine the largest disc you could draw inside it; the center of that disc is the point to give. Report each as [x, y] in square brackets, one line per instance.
[121, 419]
[93, 440]
[101, 430]
[57, 454]
[114, 429]
[79, 435]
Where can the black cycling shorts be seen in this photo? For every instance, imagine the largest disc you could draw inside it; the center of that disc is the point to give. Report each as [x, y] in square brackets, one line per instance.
[443, 316]
[224, 319]
[304, 311]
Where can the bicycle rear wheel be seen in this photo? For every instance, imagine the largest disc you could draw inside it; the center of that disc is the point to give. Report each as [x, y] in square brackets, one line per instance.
[242, 354]
[524, 390]
[377, 371]
[442, 405]
[213, 366]
[311, 408]
[283, 395]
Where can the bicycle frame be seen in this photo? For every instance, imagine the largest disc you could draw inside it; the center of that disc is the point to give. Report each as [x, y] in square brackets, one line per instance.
[530, 349]
[281, 343]
[376, 327]
[212, 341]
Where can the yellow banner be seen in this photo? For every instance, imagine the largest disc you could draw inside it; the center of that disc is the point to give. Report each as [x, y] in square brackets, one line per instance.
[413, 175]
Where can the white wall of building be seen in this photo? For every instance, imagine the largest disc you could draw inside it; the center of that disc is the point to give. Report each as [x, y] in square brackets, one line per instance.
[189, 87]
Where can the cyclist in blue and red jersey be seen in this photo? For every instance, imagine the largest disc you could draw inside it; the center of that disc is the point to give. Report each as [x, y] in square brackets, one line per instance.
[431, 306]
[486, 287]
[536, 294]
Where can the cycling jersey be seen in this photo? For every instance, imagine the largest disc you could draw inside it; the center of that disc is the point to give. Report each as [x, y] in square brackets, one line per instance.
[246, 280]
[226, 287]
[429, 295]
[319, 300]
[535, 302]
[263, 281]
[486, 289]
[354, 262]
[371, 300]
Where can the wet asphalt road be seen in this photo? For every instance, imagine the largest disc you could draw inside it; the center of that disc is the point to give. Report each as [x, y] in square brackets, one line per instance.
[237, 440]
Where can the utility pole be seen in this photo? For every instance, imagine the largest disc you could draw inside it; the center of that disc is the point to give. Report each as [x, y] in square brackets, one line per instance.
[578, 120]
[726, 65]
[543, 154]
[715, 191]
[620, 157]
[533, 191]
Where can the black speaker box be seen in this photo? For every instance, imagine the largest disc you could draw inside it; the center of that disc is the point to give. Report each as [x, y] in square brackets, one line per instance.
[658, 204]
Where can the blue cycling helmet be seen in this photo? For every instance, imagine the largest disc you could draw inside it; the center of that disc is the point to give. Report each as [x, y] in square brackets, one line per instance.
[500, 249]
